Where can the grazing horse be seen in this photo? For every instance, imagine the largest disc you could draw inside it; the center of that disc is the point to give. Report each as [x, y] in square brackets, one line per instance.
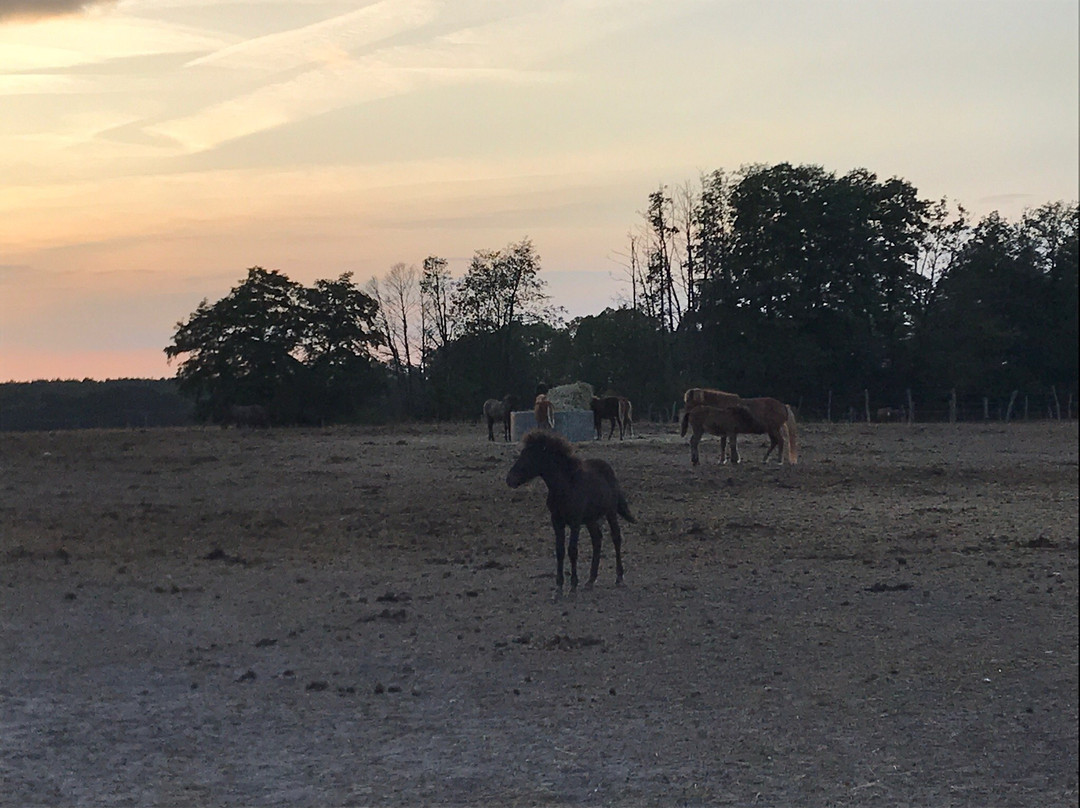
[777, 420]
[580, 492]
[772, 417]
[626, 416]
[495, 410]
[727, 422]
[608, 407]
[545, 412]
[252, 415]
[696, 396]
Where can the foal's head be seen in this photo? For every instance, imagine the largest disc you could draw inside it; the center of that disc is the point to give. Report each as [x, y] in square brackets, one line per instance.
[540, 450]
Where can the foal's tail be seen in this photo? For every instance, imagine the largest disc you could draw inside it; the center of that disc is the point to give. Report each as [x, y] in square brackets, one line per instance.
[624, 510]
[792, 439]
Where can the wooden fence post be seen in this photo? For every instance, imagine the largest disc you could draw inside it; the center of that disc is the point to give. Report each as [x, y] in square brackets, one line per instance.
[828, 410]
[952, 407]
[910, 407]
[866, 403]
[1012, 400]
[1057, 404]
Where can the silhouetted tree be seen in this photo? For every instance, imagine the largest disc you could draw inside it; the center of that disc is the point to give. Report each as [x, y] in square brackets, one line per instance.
[302, 352]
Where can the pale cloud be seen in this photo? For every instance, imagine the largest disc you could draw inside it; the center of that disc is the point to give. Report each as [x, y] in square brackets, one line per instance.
[37, 48]
[341, 63]
[326, 41]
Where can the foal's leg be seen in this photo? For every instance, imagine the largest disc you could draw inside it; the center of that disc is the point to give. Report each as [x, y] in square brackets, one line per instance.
[572, 552]
[723, 448]
[597, 538]
[560, 548]
[616, 540]
[734, 448]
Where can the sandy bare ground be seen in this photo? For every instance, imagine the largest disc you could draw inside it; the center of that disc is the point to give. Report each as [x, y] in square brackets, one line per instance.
[366, 616]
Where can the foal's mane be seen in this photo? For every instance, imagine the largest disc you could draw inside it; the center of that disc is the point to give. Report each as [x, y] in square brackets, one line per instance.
[551, 442]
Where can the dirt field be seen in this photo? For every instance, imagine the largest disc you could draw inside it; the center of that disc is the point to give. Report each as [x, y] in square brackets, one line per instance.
[366, 617]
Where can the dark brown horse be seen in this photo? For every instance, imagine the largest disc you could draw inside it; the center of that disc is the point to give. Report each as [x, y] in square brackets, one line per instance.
[727, 422]
[495, 411]
[606, 408]
[580, 492]
[544, 411]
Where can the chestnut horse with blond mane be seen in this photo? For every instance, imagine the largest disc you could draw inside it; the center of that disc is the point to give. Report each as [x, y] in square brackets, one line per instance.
[768, 417]
[544, 411]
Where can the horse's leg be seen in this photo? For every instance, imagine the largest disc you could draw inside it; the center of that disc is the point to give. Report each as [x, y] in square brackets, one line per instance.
[695, 439]
[734, 448]
[773, 441]
[571, 551]
[491, 427]
[560, 548]
[723, 448]
[616, 540]
[597, 537]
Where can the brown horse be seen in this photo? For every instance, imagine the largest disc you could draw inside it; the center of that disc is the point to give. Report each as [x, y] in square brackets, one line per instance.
[494, 411]
[251, 415]
[545, 412]
[777, 420]
[610, 408]
[772, 417]
[727, 422]
[696, 396]
[580, 492]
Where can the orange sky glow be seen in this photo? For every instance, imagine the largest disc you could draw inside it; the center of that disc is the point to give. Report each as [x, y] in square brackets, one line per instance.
[153, 150]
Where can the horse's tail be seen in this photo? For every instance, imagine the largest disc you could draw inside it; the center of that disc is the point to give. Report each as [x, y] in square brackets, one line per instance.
[685, 422]
[624, 509]
[792, 438]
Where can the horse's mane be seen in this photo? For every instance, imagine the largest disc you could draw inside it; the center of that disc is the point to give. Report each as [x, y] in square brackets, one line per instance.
[550, 442]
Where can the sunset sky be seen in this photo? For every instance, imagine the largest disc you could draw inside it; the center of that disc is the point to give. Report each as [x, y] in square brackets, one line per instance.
[152, 150]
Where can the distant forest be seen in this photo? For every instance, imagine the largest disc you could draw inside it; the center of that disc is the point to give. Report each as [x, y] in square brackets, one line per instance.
[840, 294]
[88, 404]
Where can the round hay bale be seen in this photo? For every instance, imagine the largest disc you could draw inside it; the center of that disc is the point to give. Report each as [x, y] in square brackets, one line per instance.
[576, 396]
[574, 425]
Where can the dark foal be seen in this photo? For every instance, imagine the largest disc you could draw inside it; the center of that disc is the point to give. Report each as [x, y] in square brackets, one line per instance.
[580, 492]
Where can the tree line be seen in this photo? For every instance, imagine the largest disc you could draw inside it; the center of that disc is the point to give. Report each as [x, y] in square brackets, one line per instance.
[788, 281]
